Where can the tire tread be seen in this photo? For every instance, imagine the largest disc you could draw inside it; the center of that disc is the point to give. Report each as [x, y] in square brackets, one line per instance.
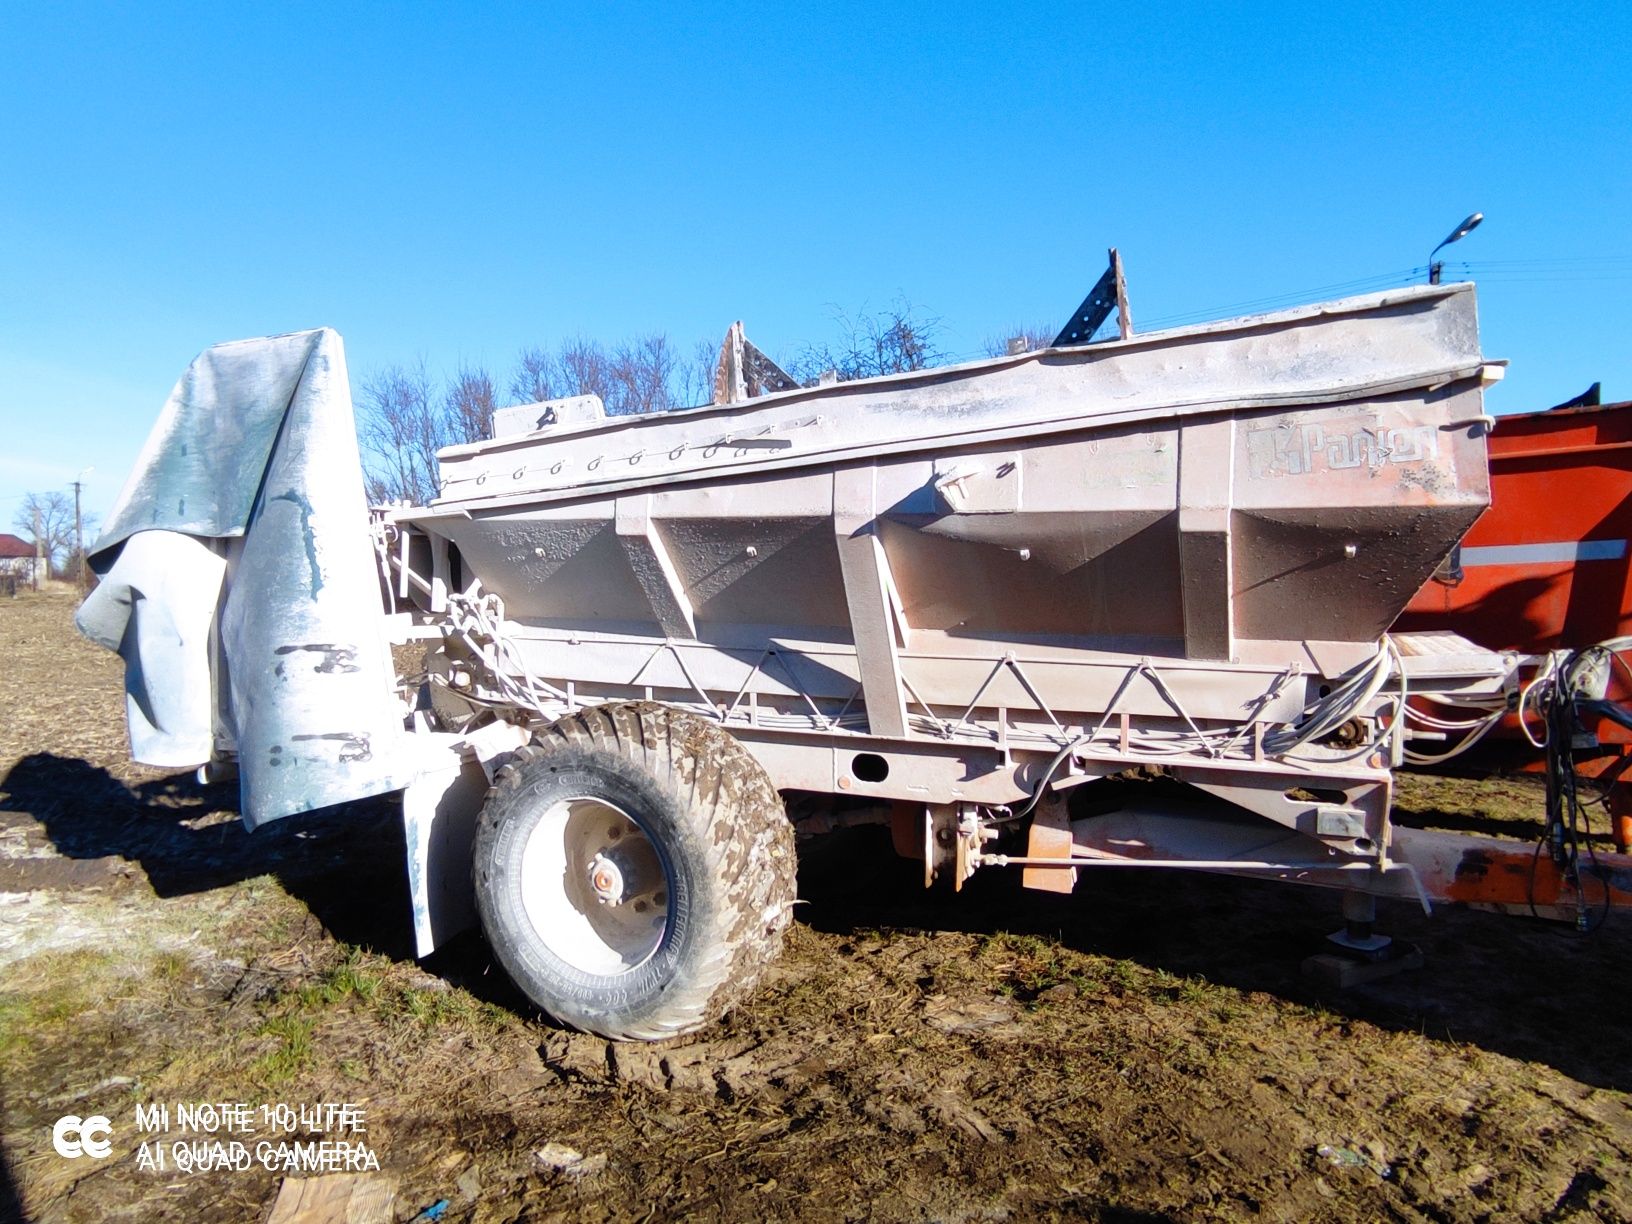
[743, 829]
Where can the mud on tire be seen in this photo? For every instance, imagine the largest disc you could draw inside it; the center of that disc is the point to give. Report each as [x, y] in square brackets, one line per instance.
[634, 871]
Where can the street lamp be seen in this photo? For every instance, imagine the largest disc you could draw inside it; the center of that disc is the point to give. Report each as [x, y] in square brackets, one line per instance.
[1467, 227]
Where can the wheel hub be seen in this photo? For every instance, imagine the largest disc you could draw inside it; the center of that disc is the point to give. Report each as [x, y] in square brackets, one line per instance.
[594, 886]
[605, 880]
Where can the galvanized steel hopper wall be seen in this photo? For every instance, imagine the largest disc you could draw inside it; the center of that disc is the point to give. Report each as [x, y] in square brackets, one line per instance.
[1208, 493]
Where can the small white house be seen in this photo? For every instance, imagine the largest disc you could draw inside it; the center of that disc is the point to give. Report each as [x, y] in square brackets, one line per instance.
[17, 557]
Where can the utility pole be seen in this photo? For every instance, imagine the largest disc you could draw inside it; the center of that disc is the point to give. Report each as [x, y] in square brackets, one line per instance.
[39, 549]
[79, 544]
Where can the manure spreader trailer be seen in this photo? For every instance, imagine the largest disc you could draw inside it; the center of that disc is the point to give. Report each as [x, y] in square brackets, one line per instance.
[957, 601]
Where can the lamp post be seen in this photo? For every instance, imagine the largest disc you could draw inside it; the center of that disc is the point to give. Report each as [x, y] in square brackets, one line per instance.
[1467, 227]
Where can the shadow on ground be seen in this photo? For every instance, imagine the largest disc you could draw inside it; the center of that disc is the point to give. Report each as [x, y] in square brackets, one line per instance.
[347, 863]
[11, 1203]
[1516, 986]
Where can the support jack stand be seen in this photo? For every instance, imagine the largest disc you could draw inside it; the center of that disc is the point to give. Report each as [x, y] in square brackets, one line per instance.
[1358, 954]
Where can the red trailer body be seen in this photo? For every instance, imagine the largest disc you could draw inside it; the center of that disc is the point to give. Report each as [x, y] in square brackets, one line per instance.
[1548, 566]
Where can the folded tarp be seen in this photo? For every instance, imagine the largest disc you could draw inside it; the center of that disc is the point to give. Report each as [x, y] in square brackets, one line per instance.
[240, 585]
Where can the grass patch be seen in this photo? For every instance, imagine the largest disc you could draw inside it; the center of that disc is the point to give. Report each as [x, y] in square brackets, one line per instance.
[434, 1008]
[290, 1056]
[1029, 966]
[49, 995]
[357, 976]
[389, 993]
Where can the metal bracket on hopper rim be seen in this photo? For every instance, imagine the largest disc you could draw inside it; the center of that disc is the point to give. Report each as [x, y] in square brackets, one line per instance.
[1109, 293]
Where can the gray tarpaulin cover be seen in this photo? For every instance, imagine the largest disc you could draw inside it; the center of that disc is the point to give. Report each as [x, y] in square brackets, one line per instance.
[239, 583]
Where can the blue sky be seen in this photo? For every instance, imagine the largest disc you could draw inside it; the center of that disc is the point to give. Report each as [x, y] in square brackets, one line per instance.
[454, 181]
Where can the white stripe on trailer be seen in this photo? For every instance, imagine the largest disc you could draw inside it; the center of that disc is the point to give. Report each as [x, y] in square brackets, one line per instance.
[1545, 554]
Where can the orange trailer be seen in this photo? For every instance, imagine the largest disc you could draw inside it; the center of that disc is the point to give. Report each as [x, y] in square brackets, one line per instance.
[1548, 566]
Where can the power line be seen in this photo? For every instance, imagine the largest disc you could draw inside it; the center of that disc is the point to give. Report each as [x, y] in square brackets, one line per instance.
[1381, 280]
[1526, 263]
[1538, 270]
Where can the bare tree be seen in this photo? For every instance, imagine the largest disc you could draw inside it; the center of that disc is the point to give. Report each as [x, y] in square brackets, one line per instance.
[405, 417]
[469, 404]
[694, 376]
[535, 378]
[642, 374]
[890, 341]
[56, 512]
[401, 429]
[582, 368]
[640, 371]
[1032, 337]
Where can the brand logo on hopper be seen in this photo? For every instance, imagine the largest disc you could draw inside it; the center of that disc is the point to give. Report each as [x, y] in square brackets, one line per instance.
[1297, 450]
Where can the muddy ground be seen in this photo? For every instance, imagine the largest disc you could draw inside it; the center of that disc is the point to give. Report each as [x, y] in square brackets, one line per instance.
[1143, 1050]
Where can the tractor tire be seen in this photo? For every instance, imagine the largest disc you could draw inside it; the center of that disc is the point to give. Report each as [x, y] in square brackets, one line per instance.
[634, 871]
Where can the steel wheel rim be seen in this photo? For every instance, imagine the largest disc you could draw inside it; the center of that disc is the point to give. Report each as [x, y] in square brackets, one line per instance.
[594, 888]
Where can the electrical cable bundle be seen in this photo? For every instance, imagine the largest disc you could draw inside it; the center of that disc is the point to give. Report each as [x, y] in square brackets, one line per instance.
[1567, 683]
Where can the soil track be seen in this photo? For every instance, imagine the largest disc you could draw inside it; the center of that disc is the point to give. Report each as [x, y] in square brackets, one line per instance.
[1143, 1050]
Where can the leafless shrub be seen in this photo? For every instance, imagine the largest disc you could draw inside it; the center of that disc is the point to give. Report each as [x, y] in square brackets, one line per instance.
[890, 341]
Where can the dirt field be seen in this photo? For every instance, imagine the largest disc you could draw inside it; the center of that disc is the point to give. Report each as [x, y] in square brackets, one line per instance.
[1143, 1050]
